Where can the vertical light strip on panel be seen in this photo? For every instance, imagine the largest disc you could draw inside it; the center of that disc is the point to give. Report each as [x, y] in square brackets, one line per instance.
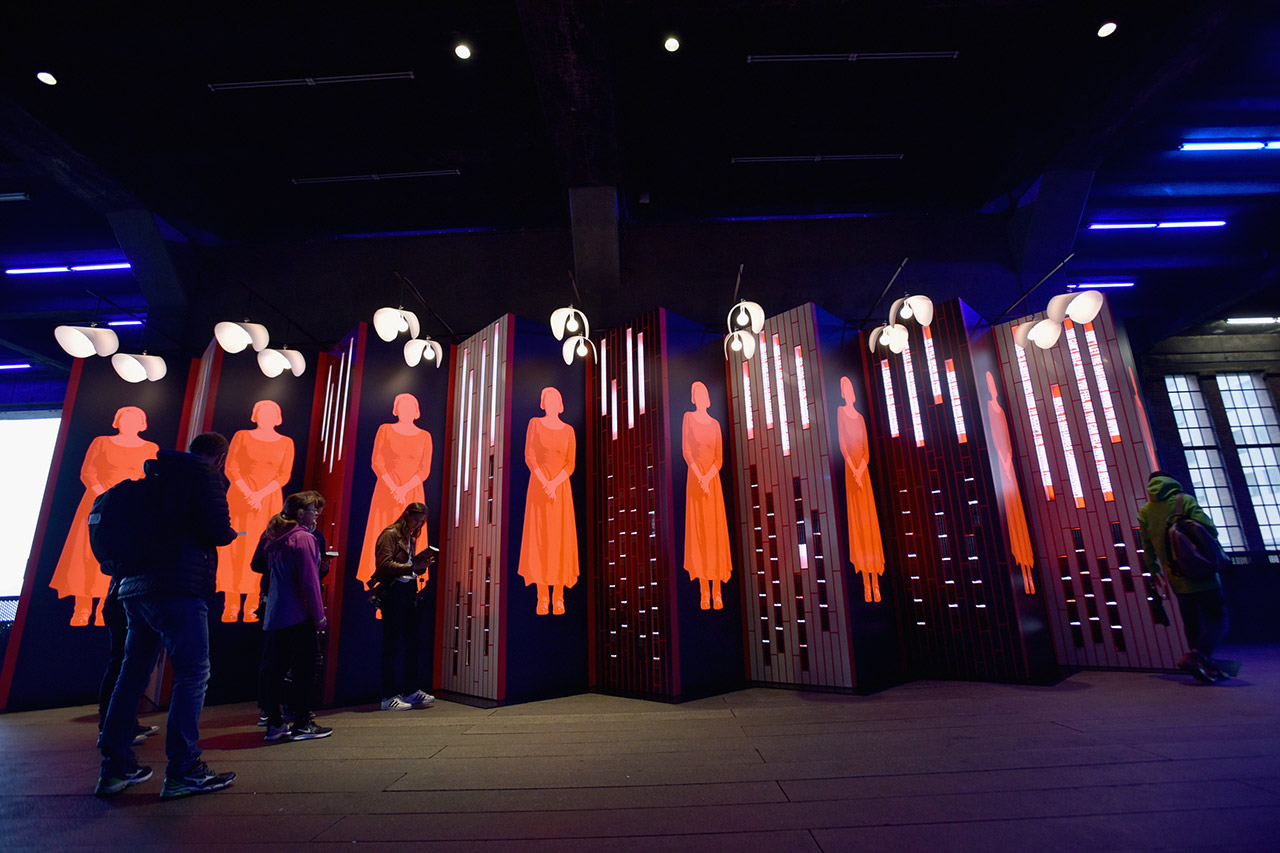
[613, 407]
[1068, 449]
[1104, 390]
[782, 398]
[746, 399]
[803, 389]
[631, 402]
[764, 380]
[604, 377]
[957, 413]
[328, 400]
[934, 383]
[493, 389]
[466, 454]
[1090, 418]
[890, 405]
[1037, 431]
[346, 388]
[484, 355]
[640, 367]
[913, 401]
[459, 460]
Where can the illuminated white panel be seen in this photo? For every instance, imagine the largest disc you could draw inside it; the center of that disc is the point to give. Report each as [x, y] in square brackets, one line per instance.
[462, 458]
[913, 401]
[1068, 449]
[346, 395]
[782, 398]
[1104, 390]
[640, 367]
[484, 356]
[764, 380]
[466, 454]
[631, 404]
[804, 390]
[746, 399]
[1090, 419]
[957, 414]
[890, 405]
[613, 407]
[493, 391]
[1037, 431]
[934, 383]
[604, 378]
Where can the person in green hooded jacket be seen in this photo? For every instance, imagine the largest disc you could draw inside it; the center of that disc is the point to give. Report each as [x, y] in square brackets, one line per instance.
[1201, 602]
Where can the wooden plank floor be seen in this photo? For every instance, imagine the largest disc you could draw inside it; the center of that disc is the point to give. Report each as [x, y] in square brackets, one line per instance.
[1103, 760]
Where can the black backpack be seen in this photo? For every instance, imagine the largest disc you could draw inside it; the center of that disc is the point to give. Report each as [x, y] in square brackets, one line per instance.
[122, 527]
[1194, 552]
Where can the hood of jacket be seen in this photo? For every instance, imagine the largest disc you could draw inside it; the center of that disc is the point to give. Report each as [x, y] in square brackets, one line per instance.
[283, 536]
[1163, 487]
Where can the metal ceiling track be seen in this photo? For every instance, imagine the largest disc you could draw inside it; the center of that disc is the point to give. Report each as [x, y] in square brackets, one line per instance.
[312, 81]
[814, 158]
[383, 176]
[852, 57]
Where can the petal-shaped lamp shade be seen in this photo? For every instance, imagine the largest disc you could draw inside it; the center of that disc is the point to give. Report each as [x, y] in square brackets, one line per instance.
[918, 308]
[234, 337]
[746, 315]
[136, 368]
[895, 337]
[418, 350]
[86, 341]
[1085, 307]
[1045, 333]
[577, 345]
[741, 341]
[1020, 334]
[874, 339]
[390, 322]
[569, 321]
[297, 364]
[273, 362]
[1056, 310]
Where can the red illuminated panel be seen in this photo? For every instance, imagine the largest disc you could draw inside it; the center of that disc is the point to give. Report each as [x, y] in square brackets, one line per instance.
[782, 398]
[640, 367]
[631, 404]
[917, 428]
[932, 359]
[1068, 448]
[957, 414]
[803, 389]
[746, 397]
[1090, 419]
[890, 405]
[1037, 431]
[764, 380]
[1104, 390]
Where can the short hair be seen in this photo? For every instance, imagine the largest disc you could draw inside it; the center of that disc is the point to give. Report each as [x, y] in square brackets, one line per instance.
[401, 398]
[126, 410]
[1159, 473]
[299, 501]
[209, 444]
[265, 404]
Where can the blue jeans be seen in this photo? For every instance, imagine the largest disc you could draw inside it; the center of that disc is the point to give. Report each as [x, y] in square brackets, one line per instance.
[181, 624]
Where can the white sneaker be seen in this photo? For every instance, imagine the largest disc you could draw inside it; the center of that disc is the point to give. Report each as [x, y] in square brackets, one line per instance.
[395, 703]
[419, 697]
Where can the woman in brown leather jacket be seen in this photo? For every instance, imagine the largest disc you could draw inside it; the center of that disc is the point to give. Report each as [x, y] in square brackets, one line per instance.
[395, 588]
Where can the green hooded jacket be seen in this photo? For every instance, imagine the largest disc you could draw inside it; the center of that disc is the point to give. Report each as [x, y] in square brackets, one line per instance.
[1153, 521]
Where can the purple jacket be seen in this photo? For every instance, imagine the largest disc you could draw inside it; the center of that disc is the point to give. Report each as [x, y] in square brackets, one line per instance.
[294, 558]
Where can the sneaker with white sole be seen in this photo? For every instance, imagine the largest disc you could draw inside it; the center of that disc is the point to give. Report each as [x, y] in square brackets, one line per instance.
[419, 697]
[309, 731]
[109, 786]
[199, 780]
[280, 732]
[395, 703]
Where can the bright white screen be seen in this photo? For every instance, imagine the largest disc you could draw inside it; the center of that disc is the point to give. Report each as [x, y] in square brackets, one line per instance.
[26, 449]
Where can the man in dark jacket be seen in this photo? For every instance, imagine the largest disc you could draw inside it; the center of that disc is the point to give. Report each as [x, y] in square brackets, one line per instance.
[1201, 602]
[166, 598]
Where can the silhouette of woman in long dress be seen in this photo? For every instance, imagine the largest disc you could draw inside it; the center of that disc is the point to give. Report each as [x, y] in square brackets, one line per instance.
[1007, 484]
[706, 530]
[549, 546]
[259, 464]
[402, 460]
[866, 550]
[109, 460]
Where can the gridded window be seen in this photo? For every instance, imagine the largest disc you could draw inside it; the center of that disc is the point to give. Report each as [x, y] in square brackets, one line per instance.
[1252, 415]
[1204, 459]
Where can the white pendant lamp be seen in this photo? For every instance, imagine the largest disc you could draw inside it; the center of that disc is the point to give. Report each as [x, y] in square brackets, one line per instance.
[918, 307]
[1085, 307]
[136, 368]
[273, 362]
[1042, 333]
[569, 321]
[86, 341]
[390, 322]
[578, 345]
[746, 315]
[234, 337]
[742, 341]
[418, 350]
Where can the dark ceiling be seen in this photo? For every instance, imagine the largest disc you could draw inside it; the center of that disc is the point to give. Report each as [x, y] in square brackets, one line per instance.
[571, 93]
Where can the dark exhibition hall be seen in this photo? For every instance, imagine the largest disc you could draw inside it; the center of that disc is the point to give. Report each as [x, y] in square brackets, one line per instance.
[621, 426]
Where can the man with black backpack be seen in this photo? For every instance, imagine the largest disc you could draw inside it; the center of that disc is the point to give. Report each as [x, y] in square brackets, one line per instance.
[1182, 552]
[165, 588]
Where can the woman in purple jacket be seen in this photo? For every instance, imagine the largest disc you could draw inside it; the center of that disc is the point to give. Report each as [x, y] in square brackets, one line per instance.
[293, 615]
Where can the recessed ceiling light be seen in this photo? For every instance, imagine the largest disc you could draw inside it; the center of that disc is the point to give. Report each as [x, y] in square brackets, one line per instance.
[46, 78]
[19, 366]
[463, 51]
[1252, 321]
[1106, 29]
[672, 44]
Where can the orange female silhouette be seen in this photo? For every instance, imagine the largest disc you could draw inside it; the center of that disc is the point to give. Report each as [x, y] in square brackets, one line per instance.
[706, 530]
[402, 460]
[866, 550]
[1007, 485]
[259, 464]
[549, 546]
[109, 460]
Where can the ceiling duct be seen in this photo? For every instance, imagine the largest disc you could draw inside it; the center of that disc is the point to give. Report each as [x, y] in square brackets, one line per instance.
[311, 81]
